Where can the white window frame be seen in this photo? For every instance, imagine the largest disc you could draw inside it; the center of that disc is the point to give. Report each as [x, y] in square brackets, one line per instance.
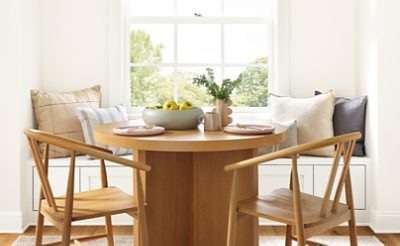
[119, 64]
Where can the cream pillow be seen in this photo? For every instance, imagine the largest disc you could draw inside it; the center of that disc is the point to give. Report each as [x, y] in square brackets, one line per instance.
[313, 115]
[55, 113]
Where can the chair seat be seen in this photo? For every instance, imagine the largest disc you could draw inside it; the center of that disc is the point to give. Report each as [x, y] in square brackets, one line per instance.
[93, 204]
[278, 206]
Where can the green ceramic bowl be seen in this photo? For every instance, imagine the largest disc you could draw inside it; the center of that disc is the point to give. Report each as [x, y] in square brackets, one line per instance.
[173, 119]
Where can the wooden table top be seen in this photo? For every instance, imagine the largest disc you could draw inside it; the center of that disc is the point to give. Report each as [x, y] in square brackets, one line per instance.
[195, 140]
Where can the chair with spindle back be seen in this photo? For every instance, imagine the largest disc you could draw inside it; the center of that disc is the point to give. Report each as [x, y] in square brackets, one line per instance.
[306, 213]
[104, 202]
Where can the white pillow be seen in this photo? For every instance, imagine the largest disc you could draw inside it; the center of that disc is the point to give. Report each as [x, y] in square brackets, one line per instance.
[313, 115]
[91, 117]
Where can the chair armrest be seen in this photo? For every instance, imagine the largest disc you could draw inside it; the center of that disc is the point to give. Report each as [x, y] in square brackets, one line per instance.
[82, 148]
[90, 146]
[292, 151]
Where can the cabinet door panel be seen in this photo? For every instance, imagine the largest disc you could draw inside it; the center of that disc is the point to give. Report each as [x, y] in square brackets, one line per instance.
[357, 179]
[58, 178]
[278, 176]
[120, 177]
[271, 177]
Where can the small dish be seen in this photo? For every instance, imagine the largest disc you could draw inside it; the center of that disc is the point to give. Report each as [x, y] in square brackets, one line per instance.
[251, 129]
[143, 130]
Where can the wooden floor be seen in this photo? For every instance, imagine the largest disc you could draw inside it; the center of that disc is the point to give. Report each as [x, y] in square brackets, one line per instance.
[386, 239]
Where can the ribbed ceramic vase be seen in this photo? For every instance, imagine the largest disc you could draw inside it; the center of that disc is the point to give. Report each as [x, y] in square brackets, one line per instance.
[222, 108]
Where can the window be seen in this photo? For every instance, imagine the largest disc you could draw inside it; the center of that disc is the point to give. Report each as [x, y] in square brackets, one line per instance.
[169, 44]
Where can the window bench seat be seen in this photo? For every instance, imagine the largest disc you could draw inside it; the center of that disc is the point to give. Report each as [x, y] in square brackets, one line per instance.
[313, 175]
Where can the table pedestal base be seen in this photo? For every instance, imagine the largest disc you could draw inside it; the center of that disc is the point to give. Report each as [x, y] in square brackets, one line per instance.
[188, 198]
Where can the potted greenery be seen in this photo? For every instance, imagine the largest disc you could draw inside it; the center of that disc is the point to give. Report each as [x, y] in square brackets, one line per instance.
[220, 93]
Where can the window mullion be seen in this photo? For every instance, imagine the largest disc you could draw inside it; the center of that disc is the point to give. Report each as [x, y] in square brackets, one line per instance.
[175, 60]
[222, 50]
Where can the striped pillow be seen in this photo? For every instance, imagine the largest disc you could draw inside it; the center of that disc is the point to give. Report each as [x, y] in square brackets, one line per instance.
[91, 117]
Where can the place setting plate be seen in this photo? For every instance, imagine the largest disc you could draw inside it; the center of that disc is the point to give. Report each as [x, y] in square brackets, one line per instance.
[142, 130]
[249, 129]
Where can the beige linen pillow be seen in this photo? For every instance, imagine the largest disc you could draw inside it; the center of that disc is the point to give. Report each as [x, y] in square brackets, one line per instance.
[56, 113]
[313, 115]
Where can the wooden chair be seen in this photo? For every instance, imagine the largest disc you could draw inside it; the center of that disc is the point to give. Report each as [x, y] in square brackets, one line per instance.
[103, 202]
[307, 214]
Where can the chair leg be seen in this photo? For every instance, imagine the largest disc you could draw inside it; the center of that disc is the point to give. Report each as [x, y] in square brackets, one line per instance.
[143, 232]
[289, 231]
[353, 232]
[232, 228]
[136, 233]
[66, 234]
[350, 202]
[39, 229]
[109, 230]
[232, 219]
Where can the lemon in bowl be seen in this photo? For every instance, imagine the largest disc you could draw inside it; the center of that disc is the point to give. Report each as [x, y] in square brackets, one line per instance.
[172, 116]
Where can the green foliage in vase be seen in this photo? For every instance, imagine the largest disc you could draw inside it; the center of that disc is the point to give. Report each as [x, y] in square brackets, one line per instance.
[218, 92]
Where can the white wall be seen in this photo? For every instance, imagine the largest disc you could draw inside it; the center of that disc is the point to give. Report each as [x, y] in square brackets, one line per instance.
[387, 166]
[19, 63]
[379, 62]
[75, 45]
[367, 84]
[322, 47]
[10, 213]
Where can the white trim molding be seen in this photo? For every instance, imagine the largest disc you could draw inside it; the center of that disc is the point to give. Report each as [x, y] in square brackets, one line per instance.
[385, 222]
[13, 221]
[115, 52]
[280, 81]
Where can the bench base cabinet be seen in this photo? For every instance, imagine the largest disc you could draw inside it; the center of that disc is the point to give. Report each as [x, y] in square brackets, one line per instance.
[357, 179]
[58, 178]
[313, 177]
[87, 178]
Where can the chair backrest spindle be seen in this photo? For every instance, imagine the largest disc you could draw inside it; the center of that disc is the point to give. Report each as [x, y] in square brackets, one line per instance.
[331, 180]
[346, 166]
[103, 174]
[42, 172]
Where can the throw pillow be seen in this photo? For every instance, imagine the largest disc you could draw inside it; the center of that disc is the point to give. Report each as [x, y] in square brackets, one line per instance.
[290, 141]
[55, 113]
[349, 116]
[91, 117]
[313, 115]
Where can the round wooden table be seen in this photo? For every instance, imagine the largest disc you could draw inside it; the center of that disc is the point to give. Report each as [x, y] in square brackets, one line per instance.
[187, 189]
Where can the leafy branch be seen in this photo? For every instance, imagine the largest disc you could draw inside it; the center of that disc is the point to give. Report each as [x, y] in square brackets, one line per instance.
[222, 92]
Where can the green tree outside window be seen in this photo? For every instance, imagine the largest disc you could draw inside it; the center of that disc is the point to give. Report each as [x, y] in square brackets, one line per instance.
[149, 85]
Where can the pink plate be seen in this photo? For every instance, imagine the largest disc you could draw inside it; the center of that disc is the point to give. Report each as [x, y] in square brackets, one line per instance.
[249, 129]
[138, 130]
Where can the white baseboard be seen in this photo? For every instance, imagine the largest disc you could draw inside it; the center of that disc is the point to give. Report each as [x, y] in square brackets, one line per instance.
[123, 220]
[13, 221]
[385, 222]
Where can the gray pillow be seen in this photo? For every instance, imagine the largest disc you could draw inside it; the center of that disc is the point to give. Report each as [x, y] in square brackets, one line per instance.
[290, 141]
[349, 116]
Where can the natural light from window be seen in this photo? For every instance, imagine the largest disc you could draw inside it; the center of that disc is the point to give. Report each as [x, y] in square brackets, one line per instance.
[178, 39]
